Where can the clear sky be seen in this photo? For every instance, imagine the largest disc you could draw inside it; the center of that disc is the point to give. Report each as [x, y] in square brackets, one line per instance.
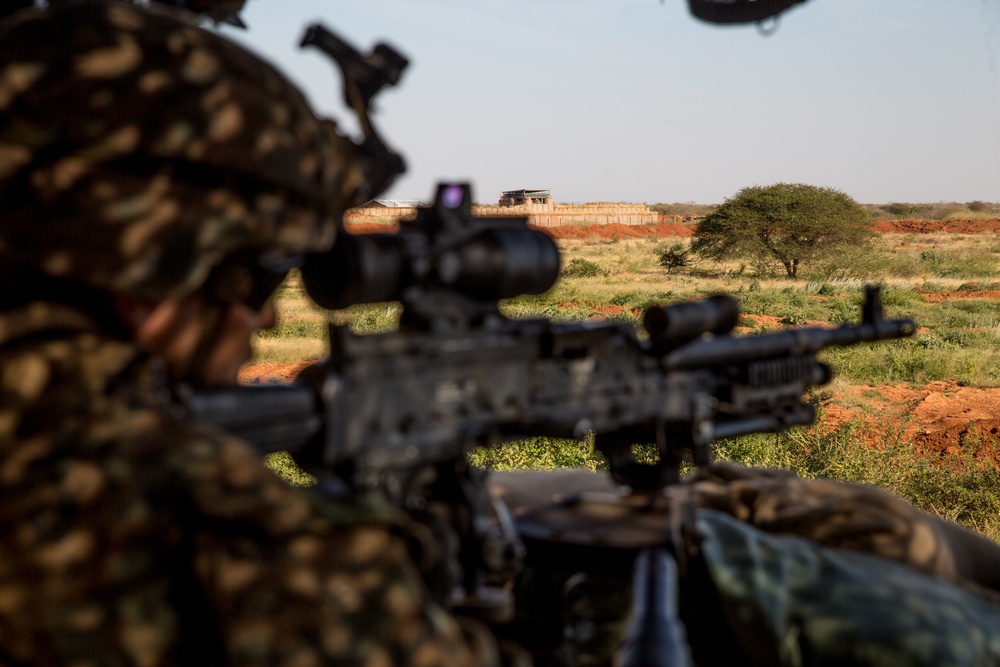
[635, 100]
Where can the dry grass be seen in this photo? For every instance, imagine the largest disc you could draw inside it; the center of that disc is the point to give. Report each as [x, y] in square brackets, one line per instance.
[962, 344]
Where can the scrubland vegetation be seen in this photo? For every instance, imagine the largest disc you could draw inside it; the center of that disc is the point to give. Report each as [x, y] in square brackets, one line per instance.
[947, 282]
[972, 210]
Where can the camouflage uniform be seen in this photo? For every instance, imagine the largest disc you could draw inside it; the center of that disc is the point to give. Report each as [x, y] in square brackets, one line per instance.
[137, 151]
[789, 601]
[815, 572]
[776, 570]
[131, 537]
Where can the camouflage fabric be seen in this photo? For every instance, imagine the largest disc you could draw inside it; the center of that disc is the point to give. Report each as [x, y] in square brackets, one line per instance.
[777, 570]
[217, 10]
[848, 516]
[137, 150]
[128, 537]
[790, 601]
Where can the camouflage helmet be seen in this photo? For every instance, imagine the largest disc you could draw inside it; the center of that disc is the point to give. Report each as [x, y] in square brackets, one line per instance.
[219, 11]
[138, 151]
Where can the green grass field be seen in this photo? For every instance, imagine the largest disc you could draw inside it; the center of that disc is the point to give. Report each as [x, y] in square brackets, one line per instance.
[959, 341]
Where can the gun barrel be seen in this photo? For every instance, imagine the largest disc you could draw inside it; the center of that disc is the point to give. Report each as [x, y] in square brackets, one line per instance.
[271, 418]
[674, 325]
[713, 353]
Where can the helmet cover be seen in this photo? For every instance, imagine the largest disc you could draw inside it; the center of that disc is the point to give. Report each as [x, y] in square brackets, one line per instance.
[138, 150]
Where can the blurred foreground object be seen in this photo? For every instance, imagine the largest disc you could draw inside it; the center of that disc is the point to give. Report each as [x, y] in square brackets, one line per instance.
[739, 11]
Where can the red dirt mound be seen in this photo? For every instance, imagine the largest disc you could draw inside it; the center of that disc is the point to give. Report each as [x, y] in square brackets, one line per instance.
[936, 297]
[601, 312]
[271, 372]
[370, 228]
[931, 226]
[941, 419]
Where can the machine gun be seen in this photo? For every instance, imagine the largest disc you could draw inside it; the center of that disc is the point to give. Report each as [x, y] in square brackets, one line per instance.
[397, 413]
[458, 374]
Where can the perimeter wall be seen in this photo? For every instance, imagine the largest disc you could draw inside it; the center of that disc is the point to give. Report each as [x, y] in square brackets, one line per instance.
[540, 215]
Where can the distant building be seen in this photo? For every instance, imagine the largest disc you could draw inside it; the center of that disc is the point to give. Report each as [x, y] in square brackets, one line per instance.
[394, 203]
[522, 197]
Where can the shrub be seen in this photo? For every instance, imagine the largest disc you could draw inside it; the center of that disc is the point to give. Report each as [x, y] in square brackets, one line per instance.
[582, 268]
[899, 210]
[675, 257]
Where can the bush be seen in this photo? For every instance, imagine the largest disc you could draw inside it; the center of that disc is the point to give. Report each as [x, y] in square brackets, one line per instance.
[675, 257]
[582, 268]
[899, 210]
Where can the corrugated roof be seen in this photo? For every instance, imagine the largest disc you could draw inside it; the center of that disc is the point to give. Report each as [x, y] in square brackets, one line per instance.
[526, 191]
[398, 203]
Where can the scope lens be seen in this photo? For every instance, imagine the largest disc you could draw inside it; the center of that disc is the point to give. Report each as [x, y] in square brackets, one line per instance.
[504, 263]
[362, 268]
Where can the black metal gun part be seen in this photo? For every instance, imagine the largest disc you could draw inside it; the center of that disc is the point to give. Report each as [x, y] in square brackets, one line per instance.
[364, 76]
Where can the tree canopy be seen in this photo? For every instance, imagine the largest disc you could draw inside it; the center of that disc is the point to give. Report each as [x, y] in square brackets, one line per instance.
[790, 223]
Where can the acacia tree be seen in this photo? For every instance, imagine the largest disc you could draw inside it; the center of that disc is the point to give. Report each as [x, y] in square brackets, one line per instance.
[790, 223]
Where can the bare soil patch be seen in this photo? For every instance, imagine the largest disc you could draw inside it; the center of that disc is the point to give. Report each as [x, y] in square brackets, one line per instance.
[269, 372]
[371, 228]
[601, 312]
[937, 297]
[932, 226]
[941, 419]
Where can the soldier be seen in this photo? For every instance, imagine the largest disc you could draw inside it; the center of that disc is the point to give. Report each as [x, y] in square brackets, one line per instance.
[158, 182]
